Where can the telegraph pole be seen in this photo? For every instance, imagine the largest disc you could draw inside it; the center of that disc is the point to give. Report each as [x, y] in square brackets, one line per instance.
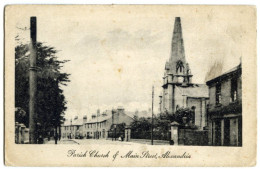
[113, 125]
[33, 83]
[152, 117]
[97, 135]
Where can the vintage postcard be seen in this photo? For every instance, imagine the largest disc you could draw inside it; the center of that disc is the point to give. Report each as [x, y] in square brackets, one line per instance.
[130, 85]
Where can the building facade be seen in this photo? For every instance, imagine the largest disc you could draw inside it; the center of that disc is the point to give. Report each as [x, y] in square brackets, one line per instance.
[99, 126]
[225, 109]
[178, 89]
[73, 128]
[96, 127]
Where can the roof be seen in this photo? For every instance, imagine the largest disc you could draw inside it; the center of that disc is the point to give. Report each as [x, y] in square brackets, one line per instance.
[196, 90]
[100, 118]
[225, 75]
[139, 114]
[75, 122]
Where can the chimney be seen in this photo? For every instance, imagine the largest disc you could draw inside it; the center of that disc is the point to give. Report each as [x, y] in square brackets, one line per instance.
[93, 116]
[98, 112]
[76, 117]
[120, 109]
[85, 119]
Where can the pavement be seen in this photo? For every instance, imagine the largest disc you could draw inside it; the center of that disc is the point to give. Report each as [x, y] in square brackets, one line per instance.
[102, 142]
[106, 142]
[62, 142]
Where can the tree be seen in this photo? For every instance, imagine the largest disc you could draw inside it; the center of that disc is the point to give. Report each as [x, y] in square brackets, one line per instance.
[185, 116]
[51, 102]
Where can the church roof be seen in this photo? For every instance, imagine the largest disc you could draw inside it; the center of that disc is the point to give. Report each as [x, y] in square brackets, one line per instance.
[196, 90]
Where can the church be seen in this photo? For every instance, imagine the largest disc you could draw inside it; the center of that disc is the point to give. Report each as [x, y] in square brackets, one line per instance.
[178, 91]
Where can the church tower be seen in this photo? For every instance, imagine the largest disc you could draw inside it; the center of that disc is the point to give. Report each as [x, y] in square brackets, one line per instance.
[177, 71]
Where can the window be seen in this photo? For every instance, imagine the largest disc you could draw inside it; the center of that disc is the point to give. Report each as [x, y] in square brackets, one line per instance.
[179, 66]
[233, 89]
[218, 93]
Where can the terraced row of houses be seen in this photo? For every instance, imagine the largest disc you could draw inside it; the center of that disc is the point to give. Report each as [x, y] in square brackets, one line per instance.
[98, 126]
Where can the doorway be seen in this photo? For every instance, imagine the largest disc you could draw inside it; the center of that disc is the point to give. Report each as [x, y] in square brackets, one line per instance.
[226, 132]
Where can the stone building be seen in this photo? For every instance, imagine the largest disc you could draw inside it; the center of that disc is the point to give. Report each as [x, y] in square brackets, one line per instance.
[178, 89]
[73, 128]
[225, 109]
[97, 126]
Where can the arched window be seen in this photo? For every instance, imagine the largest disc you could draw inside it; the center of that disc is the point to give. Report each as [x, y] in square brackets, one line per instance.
[179, 66]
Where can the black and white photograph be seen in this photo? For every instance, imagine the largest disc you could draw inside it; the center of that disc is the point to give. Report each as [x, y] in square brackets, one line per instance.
[164, 78]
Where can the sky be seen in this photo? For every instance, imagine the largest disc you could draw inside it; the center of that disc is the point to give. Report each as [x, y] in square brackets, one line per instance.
[117, 54]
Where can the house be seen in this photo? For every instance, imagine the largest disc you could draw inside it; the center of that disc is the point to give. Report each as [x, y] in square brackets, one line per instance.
[225, 109]
[73, 128]
[100, 126]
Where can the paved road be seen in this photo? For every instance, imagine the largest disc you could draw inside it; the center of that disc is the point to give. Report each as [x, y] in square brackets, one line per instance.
[102, 142]
[105, 142]
[62, 142]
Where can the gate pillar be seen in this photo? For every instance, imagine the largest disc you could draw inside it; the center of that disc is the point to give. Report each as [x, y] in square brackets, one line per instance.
[174, 133]
[127, 133]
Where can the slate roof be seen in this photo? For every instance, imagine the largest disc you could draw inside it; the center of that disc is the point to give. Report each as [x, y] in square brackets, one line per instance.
[228, 74]
[75, 122]
[100, 118]
[140, 114]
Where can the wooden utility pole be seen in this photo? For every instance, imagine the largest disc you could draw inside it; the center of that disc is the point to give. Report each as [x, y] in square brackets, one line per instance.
[33, 83]
[152, 117]
[97, 134]
[113, 133]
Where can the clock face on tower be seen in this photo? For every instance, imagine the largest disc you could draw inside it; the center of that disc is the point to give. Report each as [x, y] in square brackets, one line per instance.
[180, 79]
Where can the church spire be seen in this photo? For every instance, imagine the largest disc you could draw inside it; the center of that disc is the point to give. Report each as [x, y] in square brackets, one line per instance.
[177, 46]
[177, 70]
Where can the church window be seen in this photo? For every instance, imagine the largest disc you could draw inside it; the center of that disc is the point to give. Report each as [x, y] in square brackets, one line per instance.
[218, 93]
[233, 89]
[179, 67]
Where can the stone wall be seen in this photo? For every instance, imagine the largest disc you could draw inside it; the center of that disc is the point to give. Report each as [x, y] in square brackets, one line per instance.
[193, 137]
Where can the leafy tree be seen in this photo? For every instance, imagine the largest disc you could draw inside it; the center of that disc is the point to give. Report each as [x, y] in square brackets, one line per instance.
[141, 127]
[185, 116]
[51, 102]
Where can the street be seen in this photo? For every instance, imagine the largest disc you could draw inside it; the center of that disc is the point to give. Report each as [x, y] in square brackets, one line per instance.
[101, 142]
[104, 142]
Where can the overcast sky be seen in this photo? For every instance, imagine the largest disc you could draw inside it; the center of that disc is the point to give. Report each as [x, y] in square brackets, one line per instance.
[117, 55]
